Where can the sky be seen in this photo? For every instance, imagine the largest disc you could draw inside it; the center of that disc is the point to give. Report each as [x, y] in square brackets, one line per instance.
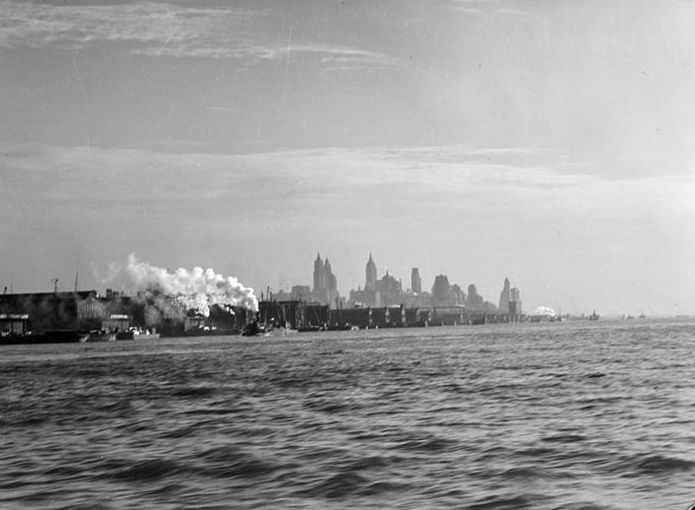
[550, 141]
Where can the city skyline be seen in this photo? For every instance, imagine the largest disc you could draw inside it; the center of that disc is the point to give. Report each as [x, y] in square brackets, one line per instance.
[389, 290]
[549, 142]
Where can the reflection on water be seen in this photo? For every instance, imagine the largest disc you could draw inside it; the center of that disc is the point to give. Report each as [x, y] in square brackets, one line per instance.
[571, 416]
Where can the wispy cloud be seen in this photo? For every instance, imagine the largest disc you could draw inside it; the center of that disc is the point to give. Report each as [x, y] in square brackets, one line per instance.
[485, 6]
[442, 179]
[29, 24]
[168, 30]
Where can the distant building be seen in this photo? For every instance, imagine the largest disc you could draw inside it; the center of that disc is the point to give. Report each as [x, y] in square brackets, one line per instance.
[440, 290]
[515, 301]
[505, 297]
[300, 292]
[458, 295]
[415, 281]
[444, 294]
[474, 301]
[389, 291]
[319, 274]
[325, 289]
[297, 293]
[370, 274]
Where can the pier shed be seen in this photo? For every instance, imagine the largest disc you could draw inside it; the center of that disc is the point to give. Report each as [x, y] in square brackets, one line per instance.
[14, 324]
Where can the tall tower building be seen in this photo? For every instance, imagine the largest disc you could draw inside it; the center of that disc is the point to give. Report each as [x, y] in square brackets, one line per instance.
[370, 274]
[505, 297]
[415, 281]
[325, 289]
[440, 289]
[319, 274]
[474, 301]
[516, 299]
[331, 288]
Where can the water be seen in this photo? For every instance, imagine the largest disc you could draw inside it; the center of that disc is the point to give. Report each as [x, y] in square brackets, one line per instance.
[557, 416]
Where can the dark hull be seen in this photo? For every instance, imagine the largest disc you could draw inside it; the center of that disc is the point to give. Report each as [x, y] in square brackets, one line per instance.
[59, 336]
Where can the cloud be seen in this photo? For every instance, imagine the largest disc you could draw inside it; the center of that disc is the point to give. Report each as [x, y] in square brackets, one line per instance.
[169, 30]
[338, 182]
[484, 6]
[151, 24]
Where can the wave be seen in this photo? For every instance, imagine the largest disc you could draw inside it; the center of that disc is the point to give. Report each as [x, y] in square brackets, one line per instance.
[349, 484]
[371, 462]
[194, 392]
[427, 443]
[231, 461]
[583, 506]
[329, 406]
[139, 471]
[505, 503]
[564, 438]
[650, 464]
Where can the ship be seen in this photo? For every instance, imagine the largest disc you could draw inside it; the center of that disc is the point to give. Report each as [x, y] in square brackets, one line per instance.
[137, 334]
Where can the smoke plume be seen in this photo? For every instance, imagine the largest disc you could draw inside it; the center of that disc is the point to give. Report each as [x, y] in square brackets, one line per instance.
[545, 311]
[197, 289]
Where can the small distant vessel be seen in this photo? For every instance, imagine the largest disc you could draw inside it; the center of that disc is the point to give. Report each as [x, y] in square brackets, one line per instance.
[61, 336]
[281, 331]
[137, 334]
[145, 335]
[99, 336]
[313, 328]
[253, 329]
[594, 316]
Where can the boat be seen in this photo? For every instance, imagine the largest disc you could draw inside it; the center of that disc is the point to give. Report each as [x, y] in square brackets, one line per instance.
[311, 328]
[253, 329]
[61, 336]
[99, 336]
[137, 334]
[281, 331]
[145, 335]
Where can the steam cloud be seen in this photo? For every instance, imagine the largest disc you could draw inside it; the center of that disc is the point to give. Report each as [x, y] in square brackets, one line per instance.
[545, 311]
[195, 289]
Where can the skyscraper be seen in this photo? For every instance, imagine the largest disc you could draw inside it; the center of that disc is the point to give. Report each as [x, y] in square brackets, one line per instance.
[325, 283]
[516, 300]
[331, 283]
[319, 274]
[415, 281]
[505, 297]
[474, 301]
[370, 274]
[441, 290]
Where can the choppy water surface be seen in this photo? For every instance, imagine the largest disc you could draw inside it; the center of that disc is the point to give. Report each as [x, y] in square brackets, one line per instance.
[567, 416]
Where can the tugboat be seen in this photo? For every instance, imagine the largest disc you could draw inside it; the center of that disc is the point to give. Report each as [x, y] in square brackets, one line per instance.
[253, 329]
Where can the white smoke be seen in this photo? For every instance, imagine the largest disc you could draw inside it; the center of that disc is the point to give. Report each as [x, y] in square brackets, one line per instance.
[545, 311]
[197, 289]
[108, 275]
